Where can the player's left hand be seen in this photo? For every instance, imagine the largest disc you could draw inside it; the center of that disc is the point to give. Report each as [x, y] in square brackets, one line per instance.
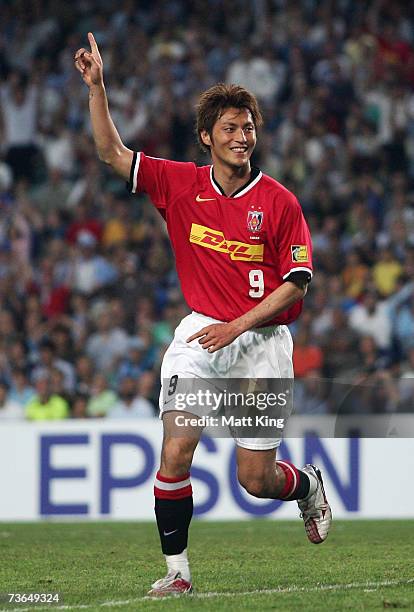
[216, 336]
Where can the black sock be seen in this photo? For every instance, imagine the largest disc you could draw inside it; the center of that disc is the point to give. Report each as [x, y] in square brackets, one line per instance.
[174, 510]
[302, 489]
[173, 520]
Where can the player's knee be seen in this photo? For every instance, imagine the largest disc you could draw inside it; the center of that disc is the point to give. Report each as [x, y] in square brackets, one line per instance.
[176, 457]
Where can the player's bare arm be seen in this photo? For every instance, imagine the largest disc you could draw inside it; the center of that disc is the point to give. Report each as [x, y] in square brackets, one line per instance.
[108, 143]
[216, 336]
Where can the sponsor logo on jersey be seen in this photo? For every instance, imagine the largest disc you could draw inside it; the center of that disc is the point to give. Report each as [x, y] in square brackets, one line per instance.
[299, 252]
[215, 240]
[255, 220]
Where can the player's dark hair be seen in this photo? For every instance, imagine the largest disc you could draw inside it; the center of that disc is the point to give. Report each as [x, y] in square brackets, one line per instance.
[216, 100]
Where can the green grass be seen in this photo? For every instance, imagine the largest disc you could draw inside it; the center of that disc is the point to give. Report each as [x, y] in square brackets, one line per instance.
[93, 563]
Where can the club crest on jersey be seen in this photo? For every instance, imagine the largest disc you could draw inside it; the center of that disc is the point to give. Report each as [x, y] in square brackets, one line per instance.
[255, 220]
[299, 252]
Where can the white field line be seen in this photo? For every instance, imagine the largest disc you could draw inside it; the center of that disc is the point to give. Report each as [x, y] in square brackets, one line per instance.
[370, 586]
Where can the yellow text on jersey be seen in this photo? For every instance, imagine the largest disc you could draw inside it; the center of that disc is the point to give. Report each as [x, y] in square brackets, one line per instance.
[215, 240]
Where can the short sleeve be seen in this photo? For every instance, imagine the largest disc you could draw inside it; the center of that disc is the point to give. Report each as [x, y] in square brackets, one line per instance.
[161, 179]
[294, 241]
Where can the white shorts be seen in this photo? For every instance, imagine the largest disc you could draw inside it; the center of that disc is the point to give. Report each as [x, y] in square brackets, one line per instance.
[260, 353]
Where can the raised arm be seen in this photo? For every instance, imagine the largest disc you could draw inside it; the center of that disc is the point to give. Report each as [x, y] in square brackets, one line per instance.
[108, 143]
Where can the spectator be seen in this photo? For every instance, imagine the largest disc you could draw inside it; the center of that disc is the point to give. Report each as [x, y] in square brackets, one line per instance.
[84, 229]
[46, 406]
[53, 295]
[47, 359]
[16, 355]
[78, 320]
[85, 371]
[130, 287]
[62, 340]
[9, 408]
[80, 407]
[380, 394]
[134, 364]
[92, 272]
[355, 275]
[57, 384]
[34, 332]
[53, 194]
[8, 330]
[371, 317]
[339, 344]
[107, 344]
[149, 387]
[102, 399]
[310, 394]
[130, 404]
[370, 357]
[19, 100]
[307, 356]
[21, 391]
[386, 272]
[117, 228]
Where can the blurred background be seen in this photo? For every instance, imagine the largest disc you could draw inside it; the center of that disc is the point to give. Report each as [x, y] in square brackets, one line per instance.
[89, 296]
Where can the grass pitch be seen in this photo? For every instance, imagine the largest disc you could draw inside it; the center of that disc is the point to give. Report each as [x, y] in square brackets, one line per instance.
[261, 565]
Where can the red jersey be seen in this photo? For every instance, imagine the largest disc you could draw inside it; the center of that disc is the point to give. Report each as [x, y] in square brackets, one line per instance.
[231, 252]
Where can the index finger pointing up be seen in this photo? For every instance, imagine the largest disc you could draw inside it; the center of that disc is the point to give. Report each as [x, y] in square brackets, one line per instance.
[92, 42]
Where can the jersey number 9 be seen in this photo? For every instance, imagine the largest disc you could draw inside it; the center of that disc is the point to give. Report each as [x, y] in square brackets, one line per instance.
[256, 281]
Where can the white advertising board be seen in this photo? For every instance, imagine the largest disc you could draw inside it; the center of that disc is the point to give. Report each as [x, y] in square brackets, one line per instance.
[105, 470]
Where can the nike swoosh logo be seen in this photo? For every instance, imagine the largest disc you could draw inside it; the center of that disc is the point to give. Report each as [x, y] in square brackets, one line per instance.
[198, 199]
[167, 533]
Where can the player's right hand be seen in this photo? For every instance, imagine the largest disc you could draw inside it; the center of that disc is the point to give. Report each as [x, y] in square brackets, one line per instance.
[90, 64]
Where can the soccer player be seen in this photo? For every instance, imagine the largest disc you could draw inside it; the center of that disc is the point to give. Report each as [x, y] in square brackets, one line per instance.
[243, 256]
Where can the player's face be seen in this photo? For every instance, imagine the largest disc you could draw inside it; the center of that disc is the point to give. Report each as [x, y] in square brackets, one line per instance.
[233, 138]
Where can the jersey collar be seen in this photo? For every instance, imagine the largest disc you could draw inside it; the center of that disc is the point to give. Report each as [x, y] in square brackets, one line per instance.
[255, 176]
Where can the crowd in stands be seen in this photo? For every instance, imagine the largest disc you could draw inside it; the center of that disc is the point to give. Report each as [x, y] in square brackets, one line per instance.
[89, 296]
